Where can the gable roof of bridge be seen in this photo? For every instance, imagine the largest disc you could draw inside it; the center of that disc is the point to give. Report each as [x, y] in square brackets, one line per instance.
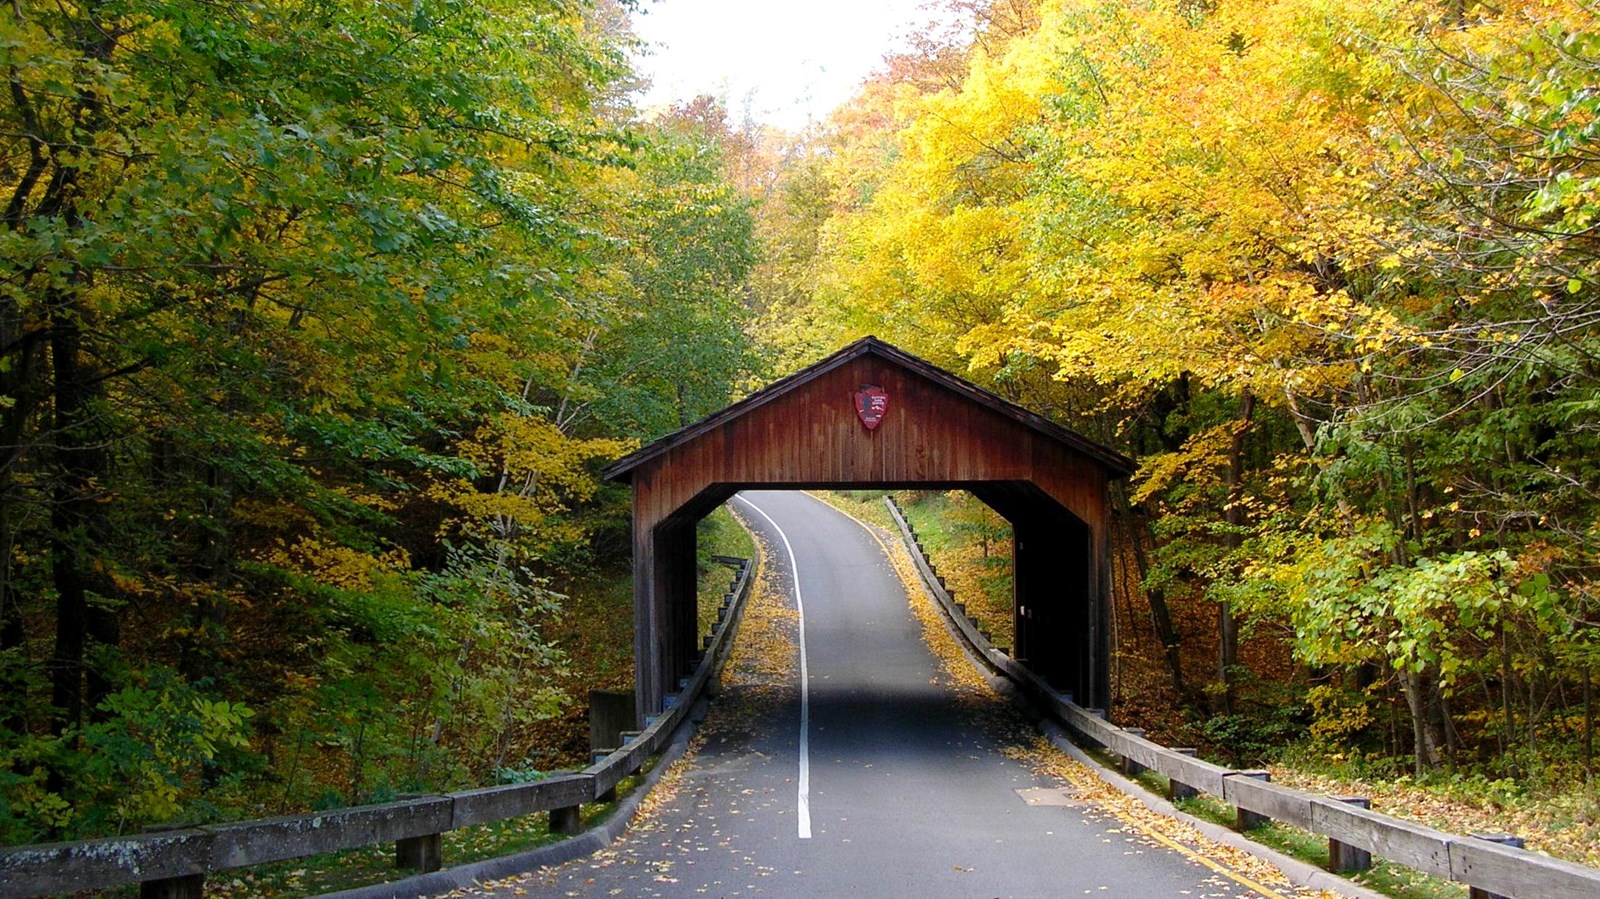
[1116, 464]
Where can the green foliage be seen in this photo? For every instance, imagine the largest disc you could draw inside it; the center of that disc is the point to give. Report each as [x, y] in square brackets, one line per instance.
[718, 534]
[317, 324]
[155, 742]
[144, 760]
[686, 268]
[1248, 739]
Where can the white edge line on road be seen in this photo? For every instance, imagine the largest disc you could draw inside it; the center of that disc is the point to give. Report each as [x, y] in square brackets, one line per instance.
[804, 802]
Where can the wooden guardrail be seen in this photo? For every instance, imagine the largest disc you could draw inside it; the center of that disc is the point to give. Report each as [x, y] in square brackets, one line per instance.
[1491, 865]
[174, 863]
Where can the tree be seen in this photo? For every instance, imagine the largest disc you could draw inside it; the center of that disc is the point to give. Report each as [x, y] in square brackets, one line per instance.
[299, 315]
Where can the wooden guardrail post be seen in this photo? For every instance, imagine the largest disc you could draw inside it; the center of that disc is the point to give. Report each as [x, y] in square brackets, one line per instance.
[629, 737]
[185, 886]
[424, 854]
[607, 795]
[1342, 857]
[1244, 819]
[1178, 791]
[1131, 768]
[1504, 840]
[569, 820]
[192, 886]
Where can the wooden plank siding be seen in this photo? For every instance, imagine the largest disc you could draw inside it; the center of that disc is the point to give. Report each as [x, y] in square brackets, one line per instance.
[803, 432]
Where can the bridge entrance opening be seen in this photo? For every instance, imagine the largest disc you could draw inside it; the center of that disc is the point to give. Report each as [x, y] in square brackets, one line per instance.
[874, 417]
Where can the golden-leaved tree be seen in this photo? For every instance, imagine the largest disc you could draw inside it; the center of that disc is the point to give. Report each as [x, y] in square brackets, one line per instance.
[1325, 269]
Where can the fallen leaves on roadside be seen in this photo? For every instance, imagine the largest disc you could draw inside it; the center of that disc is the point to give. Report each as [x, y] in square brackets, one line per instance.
[1565, 827]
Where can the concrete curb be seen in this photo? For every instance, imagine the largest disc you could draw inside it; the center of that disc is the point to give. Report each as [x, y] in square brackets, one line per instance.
[588, 843]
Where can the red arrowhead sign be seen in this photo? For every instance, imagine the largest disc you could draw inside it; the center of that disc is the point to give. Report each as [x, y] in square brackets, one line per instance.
[871, 404]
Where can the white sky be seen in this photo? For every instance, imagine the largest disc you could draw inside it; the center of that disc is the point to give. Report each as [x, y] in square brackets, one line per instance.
[791, 60]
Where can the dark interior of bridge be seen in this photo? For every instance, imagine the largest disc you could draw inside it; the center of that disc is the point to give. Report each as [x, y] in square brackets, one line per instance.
[1058, 634]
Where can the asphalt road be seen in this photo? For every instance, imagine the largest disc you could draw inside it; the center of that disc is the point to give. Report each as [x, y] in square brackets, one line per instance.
[905, 783]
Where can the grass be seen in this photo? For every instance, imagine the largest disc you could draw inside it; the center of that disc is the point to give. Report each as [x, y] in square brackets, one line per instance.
[719, 534]
[970, 545]
[866, 505]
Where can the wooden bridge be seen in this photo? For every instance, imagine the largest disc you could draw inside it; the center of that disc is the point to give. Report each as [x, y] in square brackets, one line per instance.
[872, 416]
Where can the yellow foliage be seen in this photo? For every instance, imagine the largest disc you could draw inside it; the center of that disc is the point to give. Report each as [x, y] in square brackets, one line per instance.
[335, 565]
[1198, 462]
[1131, 192]
[533, 472]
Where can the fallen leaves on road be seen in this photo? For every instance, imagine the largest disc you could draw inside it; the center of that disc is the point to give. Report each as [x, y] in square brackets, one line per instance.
[762, 673]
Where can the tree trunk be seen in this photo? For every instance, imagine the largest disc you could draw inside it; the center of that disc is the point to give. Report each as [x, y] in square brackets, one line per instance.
[77, 515]
[13, 636]
[1160, 614]
[1588, 724]
[197, 657]
[78, 524]
[1227, 626]
[1425, 745]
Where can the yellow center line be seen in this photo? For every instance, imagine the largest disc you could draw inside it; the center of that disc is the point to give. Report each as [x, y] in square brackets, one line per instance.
[1181, 849]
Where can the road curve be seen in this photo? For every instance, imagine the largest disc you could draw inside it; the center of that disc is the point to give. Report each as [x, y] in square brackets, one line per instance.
[907, 785]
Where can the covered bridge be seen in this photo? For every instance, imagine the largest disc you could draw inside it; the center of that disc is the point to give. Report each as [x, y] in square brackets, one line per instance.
[872, 416]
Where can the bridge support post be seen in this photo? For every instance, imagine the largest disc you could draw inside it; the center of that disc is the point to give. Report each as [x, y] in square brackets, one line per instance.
[683, 600]
[666, 613]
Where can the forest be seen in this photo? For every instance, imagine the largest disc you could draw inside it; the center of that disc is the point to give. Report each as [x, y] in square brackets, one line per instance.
[319, 320]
